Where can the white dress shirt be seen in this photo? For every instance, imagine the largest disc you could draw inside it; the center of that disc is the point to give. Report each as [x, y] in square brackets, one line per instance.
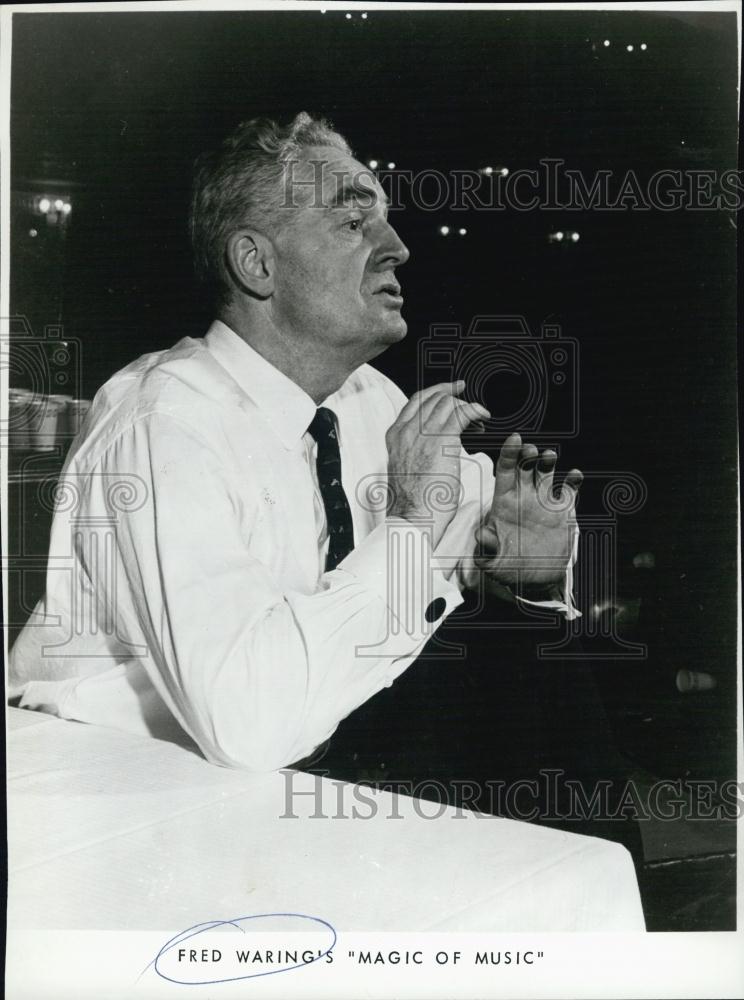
[186, 591]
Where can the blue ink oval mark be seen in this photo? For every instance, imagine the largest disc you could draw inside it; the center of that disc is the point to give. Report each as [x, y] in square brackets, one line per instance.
[236, 922]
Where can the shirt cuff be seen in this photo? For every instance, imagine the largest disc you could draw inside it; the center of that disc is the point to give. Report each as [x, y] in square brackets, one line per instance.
[561, 599]
[396, 562]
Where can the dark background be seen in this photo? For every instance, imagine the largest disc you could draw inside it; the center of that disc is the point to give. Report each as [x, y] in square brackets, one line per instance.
[111, 109]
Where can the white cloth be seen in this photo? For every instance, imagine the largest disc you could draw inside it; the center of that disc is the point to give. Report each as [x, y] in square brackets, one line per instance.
[112, 831]
[185, 586]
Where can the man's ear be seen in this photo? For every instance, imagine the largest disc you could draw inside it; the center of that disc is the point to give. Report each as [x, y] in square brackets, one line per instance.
[250, 259]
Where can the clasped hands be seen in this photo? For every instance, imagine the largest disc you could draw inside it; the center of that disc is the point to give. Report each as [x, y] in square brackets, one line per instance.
[527, 538]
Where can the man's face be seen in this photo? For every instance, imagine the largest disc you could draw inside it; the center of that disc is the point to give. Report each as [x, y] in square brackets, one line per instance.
[336, 258]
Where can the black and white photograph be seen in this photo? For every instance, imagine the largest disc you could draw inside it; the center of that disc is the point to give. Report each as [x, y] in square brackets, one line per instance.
[370, 499]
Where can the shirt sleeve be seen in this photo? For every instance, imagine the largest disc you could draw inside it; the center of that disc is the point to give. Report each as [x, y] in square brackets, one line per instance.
[257, 675]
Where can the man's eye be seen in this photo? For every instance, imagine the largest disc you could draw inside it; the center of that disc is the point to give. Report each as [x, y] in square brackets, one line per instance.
[354, 225]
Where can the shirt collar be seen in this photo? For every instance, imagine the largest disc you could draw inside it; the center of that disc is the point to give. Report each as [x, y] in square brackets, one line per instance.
[287, 408]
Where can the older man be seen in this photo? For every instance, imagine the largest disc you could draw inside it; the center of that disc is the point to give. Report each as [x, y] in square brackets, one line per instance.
[258, 585]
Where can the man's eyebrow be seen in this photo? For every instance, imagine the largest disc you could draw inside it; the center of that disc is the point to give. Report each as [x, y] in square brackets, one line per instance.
[349, 192]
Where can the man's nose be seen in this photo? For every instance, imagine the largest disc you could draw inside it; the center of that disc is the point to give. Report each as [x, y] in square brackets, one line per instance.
[392, 251]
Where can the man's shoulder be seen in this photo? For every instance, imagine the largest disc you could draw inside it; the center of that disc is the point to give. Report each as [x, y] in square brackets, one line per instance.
[184, 371]
[185, 376]
[182, 383]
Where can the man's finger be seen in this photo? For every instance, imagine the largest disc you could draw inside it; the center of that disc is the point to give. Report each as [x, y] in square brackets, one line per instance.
[544, 472]
[452, 416]
[570, 488]
[506, 466]
[464, 413]
[527, 459]
[546, 463]
[435, 401]
[412, 408]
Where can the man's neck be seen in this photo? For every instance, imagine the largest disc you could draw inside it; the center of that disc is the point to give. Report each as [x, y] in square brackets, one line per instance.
[316, 370]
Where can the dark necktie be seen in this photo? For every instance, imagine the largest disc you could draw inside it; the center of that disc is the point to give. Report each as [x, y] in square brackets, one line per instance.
[338, 514]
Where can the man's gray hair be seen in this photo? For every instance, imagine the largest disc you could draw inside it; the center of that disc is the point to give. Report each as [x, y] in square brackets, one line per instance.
[240, 185]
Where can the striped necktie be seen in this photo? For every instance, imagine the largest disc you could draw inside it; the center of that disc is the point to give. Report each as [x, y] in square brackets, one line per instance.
[338, 513]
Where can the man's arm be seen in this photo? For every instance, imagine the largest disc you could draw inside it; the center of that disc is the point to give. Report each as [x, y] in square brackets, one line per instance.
[257, 675]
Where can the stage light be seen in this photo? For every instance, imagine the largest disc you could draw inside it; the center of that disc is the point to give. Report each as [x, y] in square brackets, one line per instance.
[44, 205]
[391, 165]
[504, 171]
[348, 17]
[444, 230]
[364, 16]
[629, 48]
[462, 231]
[643, 46]
[373, 164]
[606, 43]
[58, 204]
[66, 208]
[575, 237]
[33, 232]
[559, 236]
[488, 170]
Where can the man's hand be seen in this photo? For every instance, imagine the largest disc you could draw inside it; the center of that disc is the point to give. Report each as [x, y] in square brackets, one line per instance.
[424, 455]
[528, 535]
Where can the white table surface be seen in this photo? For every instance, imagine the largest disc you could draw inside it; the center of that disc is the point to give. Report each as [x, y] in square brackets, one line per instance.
[111, 831]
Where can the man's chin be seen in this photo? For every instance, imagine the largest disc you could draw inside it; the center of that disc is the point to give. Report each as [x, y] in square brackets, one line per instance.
[394, 331]
[379, 337]
[384, 340]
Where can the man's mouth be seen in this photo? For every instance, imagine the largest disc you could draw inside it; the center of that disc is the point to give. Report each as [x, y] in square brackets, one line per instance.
[391, 290]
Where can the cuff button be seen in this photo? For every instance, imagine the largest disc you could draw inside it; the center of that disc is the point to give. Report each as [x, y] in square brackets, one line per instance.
[436, 609]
